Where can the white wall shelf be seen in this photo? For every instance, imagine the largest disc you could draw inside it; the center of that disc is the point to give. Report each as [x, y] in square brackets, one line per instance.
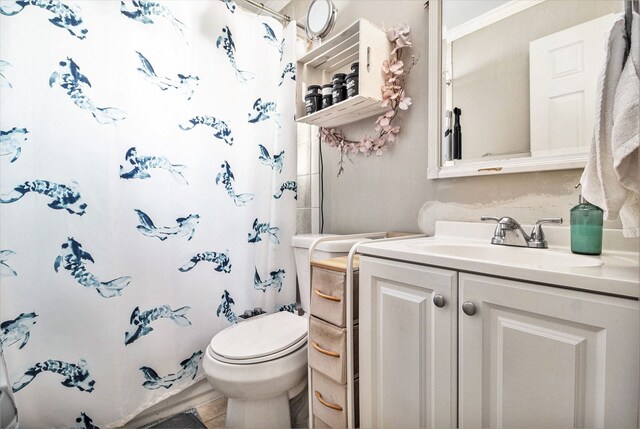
[361, 42]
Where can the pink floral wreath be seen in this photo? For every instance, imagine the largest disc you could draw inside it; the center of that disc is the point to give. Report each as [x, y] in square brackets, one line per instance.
[393, 95]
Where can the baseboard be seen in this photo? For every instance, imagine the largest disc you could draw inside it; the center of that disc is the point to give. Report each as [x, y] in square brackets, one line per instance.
[191, 397]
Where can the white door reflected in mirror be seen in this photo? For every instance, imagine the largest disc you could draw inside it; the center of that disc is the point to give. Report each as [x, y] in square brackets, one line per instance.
[564, 69]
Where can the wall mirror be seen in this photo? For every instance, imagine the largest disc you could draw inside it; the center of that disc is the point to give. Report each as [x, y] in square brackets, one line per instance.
[519, 78]
[321, 17]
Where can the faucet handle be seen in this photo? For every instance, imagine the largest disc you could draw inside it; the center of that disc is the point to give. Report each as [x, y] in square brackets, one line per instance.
[537, 234]
[549, 220]
[498, 234]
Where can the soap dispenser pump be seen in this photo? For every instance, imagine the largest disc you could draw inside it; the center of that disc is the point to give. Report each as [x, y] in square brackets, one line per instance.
[586, 228]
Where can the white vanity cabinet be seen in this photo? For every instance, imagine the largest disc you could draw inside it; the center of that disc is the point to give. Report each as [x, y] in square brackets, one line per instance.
[497, 353]
[407, 345]
[539, 356]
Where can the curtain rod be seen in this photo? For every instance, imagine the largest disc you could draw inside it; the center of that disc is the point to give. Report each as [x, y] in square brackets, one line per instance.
[272, 12]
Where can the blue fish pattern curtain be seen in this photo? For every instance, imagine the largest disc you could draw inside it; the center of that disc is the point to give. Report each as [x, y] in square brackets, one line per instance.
[147, 195]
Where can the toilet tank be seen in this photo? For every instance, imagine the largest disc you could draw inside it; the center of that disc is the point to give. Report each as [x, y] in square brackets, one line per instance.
[324, 250]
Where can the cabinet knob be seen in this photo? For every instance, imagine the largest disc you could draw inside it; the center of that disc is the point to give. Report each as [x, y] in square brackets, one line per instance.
[469, 308]
[439, 301]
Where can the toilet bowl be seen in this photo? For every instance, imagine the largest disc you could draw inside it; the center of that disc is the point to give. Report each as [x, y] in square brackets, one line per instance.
[261, 363]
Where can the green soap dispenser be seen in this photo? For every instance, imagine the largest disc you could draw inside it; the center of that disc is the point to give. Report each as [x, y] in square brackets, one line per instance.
[586, 228]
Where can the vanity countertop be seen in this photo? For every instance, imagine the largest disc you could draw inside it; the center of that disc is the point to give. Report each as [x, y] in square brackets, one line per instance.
[465, 246]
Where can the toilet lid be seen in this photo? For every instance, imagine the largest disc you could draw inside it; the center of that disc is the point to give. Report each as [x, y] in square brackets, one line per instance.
[260, 337]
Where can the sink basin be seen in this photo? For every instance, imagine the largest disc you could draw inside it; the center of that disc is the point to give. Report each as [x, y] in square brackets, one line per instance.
[539, 258]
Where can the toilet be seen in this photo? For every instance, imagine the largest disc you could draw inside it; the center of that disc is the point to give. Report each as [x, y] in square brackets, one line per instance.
[261, 363]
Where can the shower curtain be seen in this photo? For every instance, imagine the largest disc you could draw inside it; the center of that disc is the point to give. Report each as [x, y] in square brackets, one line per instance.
[147, 195]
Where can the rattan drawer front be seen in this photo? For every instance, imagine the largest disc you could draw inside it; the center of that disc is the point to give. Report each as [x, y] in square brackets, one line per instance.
[328, 349]
[329, 400]
[327, 296]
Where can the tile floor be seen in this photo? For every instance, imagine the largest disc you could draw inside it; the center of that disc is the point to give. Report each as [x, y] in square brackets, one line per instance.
[213, 413]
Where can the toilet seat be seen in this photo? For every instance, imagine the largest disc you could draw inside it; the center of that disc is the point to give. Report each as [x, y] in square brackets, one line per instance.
[261, 339]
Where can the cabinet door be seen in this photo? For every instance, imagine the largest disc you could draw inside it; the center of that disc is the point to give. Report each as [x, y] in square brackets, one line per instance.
[407, 346]
[538, 356]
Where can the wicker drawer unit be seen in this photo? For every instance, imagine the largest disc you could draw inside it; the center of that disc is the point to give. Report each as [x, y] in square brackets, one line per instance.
[329, 348]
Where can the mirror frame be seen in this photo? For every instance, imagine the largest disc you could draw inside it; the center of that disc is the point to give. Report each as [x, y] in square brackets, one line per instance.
[479, 168]
[328, 25]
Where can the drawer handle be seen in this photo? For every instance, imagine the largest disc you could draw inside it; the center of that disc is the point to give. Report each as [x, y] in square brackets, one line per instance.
[327, 404]
[329, 297]
[323, 351]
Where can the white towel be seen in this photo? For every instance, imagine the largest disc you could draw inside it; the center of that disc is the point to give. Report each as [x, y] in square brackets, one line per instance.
[610, 179]
[626, 134]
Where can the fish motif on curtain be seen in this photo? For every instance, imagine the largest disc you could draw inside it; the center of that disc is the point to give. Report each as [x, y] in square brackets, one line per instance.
[17, 330]
[289, 185]
[72, 259]
[140, 166]
[271, 38]
[64, 15]
[140, 321]
[85, 422]
[11, 142]
[184, 84]
[226, 178]
[276, 162]
[260, 228]
[291, 308]
[4, 82]
[75, 375]
[145, 11]
[222, 130]
[221, 261]
[5, 268]
[225, 42]
[63, 197]
[225, 308]
[264, 110]
[69, 78]
[188, 368]
[274, 280]
[230, 4]
[289, 69]
[186, 227]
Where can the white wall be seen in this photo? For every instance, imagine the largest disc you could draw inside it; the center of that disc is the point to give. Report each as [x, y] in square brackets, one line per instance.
[392, 192]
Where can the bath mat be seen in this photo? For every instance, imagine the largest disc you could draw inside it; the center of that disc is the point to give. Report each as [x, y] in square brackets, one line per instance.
[184, 420]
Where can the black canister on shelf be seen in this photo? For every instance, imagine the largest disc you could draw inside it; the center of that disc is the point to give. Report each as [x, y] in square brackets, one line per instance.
[312, 103]
[314, 89]
[327, 95]
[355, 67]
[339, 92]
[352, 84]
[338, 77]
[313, 99]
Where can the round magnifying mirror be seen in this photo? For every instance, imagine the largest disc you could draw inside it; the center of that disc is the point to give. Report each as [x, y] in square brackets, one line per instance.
[321, 17]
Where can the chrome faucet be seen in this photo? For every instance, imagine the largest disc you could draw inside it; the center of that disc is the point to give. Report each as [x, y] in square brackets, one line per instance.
[509, 232]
